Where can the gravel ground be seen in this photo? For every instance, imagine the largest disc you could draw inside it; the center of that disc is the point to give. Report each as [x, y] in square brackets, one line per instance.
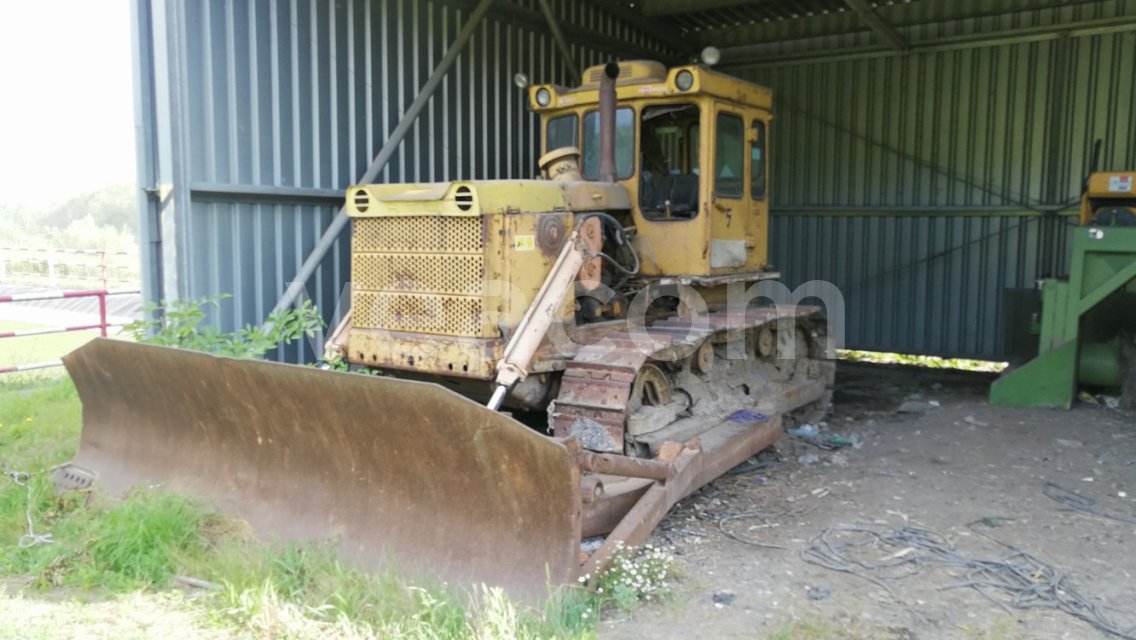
[974, 474]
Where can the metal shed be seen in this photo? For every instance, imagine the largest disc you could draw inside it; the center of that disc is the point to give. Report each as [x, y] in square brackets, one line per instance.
[927, 152]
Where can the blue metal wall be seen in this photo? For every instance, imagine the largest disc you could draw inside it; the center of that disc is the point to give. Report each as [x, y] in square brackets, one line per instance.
[254, 116]
[926, 185]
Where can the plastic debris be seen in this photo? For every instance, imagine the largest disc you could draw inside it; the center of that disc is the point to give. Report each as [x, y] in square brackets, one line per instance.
[723, 598]
[820, 438]
[746, 415]
[1100, 399]
[915, 406]
[803, 431]
[818, 593]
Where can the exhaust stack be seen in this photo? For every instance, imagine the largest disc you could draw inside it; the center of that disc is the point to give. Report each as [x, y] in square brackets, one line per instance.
[607, 122]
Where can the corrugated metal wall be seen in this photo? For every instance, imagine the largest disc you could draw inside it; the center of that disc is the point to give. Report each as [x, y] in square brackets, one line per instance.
[260, 113]
[927, 185]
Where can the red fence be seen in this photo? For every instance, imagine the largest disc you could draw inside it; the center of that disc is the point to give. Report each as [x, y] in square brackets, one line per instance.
[101, 326]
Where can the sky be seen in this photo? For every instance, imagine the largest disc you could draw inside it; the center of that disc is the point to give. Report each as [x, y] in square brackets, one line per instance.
[66, 102]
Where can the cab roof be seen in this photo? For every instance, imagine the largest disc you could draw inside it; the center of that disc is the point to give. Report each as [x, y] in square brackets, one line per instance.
[649, 79]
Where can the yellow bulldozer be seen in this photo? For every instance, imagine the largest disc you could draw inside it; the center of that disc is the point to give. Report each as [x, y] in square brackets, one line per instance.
[563, 357]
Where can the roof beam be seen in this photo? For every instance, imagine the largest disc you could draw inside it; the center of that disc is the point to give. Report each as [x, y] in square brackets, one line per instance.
[673, 7]
[532, 18]
[634, 17]
[757, 56]
[900, 16]
[879, 25]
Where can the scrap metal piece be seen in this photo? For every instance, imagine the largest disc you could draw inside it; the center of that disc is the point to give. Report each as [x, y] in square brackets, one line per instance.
[69, 477]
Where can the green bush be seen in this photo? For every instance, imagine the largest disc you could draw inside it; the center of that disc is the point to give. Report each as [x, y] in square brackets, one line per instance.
[181, 323]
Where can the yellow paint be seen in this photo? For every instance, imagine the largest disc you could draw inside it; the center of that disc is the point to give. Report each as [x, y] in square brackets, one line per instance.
[1107, 185]
[430, 291]
[443, 272]
[684, 247]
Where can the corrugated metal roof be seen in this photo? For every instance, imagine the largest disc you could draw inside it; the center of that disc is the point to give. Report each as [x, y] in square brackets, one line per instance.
[725, 14]
[696, 19]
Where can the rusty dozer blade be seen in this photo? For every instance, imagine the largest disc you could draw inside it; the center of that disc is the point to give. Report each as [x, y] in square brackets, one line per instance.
[398, 472]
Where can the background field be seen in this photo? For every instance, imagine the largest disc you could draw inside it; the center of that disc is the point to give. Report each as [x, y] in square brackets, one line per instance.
[33, 349]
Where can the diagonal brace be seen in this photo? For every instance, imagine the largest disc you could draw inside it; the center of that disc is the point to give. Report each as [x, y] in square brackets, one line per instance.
[339, 222]
[561, 44]
[879, 25]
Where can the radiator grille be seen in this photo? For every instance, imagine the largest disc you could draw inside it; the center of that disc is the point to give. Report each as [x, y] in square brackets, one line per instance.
[417, 313]
[419, 274]
[418, 234]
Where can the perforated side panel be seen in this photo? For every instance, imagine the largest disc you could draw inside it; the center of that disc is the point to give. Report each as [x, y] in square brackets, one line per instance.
[418, 313]
[418, 234]
[418, 274]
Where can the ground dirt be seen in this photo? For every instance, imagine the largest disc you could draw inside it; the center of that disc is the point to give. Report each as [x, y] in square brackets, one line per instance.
[134, 616]
[964, 469]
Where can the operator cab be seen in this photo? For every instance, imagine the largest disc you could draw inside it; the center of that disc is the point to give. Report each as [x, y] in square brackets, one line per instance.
[691, 150]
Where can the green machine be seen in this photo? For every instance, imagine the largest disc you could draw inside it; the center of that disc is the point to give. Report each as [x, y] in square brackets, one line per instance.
[1087, 322]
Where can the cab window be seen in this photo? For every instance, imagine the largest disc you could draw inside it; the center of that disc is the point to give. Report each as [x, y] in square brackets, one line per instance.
[729, 158]
[668, 161]
[757, 162]
[562, 132]
[624, 144]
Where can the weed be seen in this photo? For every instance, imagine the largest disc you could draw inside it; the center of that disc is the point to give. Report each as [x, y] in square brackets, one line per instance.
[636, 574]
[141, 538]
[138, 542]
[38, 428]
[180, 323]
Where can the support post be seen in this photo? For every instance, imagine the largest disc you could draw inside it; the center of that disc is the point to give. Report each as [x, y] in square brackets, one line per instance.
[327, 240]
[103, 312]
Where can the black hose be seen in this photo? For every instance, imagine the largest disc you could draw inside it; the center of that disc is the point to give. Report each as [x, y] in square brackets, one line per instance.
[620, 236]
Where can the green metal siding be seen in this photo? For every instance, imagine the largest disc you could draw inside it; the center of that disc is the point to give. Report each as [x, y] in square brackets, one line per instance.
[927, 184]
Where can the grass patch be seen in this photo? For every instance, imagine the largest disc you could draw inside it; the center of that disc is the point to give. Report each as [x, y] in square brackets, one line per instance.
[807, 630]
[926, 362]
[113, 550]
[39, 423]
[36, 349]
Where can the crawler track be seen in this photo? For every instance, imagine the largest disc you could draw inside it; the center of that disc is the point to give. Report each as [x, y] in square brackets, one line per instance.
[636, 388]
